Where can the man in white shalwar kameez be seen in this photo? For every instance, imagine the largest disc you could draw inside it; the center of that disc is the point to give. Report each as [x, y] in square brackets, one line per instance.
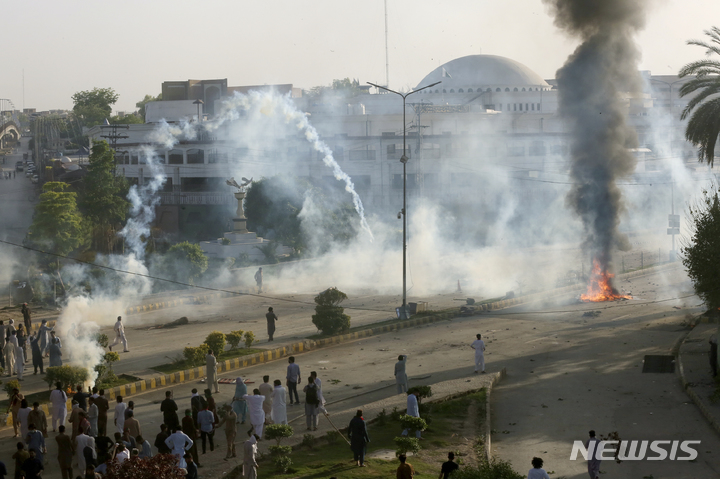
[9, 351]
[179, 442]
[120, 414]
[321, 398]
[19, 361]
[479, 346]
[58, 399]
[249, 452]
[81, 442]
[120, 335]
[279, 407]
[212, 378]
[255, 407]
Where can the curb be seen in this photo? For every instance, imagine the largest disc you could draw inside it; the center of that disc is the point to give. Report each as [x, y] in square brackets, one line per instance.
[488, 424]
[688, 389]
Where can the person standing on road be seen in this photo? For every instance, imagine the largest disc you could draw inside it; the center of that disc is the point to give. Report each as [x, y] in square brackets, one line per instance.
[120, 335]
[25, 310]
[266, 389]
[15, 404]
[81, 397]
[412, 410]
[55, 353]
[66, 451]
[259, 280]
[321, 397]
[271, 318]
[257, 415]
[401, 379]
[162, 448]
[357, 432]
[120, 415]
[279, 408]
[479, 346]
[179, 442]
[293, 378]
[93, 415]
[44, 333]
[37, 356]
[19, 360]
[22, 416]
[212, 379]
[189, 429]
[206, 424]
[230, 422]
[537, 472]
[169, 409]
[2, 343]
[103, 407]
[238, 403]
[37, 417]
[593, 459]
[22, 342]
[312, 402]
[250, 465]
[36, 440]
[9, 351]
[58, 399]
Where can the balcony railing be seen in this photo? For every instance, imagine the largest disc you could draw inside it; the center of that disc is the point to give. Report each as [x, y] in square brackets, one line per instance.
[197, 198]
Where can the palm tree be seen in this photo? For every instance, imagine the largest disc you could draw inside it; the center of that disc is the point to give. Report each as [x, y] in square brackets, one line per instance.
[704, 126]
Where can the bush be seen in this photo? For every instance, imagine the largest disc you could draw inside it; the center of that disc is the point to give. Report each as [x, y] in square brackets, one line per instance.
[102, 340]
[234, 338]
[333, 437]
[67, 376]
[329, 317]
[308, 441]
[283, 463]
[216, 342]
[406, 444]
[104, 370]
[249, 338]
[395, 415]
[278, 432]
[493, 469]
[382, 418]
[225, 241]
[10, 385]
[413, 423]
[277, 451]
[159, 466]
[196, 356]
[423, 392]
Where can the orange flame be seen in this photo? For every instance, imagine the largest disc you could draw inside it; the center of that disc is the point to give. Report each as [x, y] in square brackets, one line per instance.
[600, 287]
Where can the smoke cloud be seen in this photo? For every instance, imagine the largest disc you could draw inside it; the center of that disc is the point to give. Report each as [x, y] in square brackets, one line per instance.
[590, 88]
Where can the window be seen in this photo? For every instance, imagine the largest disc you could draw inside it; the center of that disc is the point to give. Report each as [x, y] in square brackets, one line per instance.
[437, 91]
[339, 153]
[358, 155]
[391, 151]
[515, 89]
[470, 90]
[411, 182]
[514, 106]
[362, 182]
[167, 187]
[461, 90]
[195, 157]
[526, 107]
[444, 90]
[507, 89]
[452, 90]
[533, 106]
[175, 157]
[489, 89]
[523, 89]
[508, 108]
[559, 149]
[516, 149]
[388, 133]
[537, 148]
[497, 89]
[538, 107]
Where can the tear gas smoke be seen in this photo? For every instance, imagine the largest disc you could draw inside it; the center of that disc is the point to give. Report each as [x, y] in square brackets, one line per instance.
[590, 85]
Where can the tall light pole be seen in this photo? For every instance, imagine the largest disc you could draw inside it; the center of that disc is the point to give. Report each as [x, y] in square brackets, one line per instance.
[404, 313]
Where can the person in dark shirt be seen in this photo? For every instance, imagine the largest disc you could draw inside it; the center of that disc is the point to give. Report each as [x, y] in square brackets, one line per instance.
[448, 467]
[103, 446]
[169, 409]
[3, 470]
[32, 467]
[191, 468]
[81, 398]
[162, 448]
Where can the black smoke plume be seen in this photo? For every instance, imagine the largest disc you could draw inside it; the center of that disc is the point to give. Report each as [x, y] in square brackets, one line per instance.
[591, 85]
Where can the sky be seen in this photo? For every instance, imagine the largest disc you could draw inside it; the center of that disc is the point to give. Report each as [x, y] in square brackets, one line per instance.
[65, 46]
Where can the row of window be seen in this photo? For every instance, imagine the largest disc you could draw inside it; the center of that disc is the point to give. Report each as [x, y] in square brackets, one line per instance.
[479, 90]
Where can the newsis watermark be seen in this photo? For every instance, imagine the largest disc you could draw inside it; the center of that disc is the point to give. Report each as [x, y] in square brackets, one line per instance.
[635, 450]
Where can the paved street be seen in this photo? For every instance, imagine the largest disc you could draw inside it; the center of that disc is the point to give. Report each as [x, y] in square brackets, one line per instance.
[566, 374]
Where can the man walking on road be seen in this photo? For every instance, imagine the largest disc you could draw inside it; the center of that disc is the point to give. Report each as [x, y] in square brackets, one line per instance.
[401, 379]
[271, 318]
[266, 390]
[279, 407]
[58, 399]
[206, 424]
[259, 279]
[103, 407]
[479, 346]
[257, 415]
[120, 415]
[593, 461]
[293, 378]
[26, 317]
[212, 379]
[249, 452]
[229, 421]
[120, 335]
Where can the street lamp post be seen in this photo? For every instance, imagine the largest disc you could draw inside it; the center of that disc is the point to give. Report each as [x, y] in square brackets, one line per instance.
[404, 313]
[198, 102]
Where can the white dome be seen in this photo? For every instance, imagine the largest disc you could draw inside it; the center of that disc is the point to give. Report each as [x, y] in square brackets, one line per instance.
[483, 71]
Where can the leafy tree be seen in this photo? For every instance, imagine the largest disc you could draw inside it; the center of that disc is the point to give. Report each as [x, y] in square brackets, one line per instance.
[186, 260]
[131, 119]
[701, 256]
[341, 88]
[102, 198]
[58, 225]
[196, 356]
[141, 104]
[234, 338]
[703, 127]
[94, 106]
[248, 338]
[329, 317]
[216, 342]
[67, 376]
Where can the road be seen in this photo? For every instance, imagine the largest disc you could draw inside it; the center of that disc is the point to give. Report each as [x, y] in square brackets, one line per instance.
[566, 373]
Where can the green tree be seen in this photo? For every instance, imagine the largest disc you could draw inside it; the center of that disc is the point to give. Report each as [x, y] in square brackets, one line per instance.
[131, 119]
[93, 106]
[341, 88]
[186, 260]
[141, 104]
[701, 256]
[329, 316]
[703, 127]
[58, 225]
[102, 199]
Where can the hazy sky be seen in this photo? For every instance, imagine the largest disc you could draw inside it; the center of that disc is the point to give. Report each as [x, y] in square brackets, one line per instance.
[133, 46]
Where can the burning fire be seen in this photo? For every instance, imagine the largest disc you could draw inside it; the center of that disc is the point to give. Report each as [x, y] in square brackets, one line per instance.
[600, 287]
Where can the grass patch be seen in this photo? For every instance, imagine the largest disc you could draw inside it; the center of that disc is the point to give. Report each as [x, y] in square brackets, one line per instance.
[182, 365]
[387, 322]
[448, 419]
[121, 380]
